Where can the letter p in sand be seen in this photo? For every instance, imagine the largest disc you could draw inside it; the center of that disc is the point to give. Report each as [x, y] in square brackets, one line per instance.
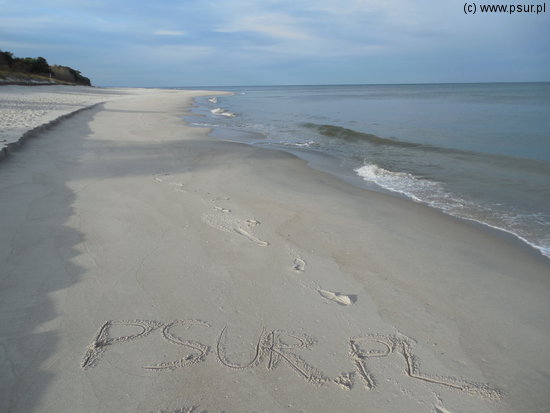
[103, 339]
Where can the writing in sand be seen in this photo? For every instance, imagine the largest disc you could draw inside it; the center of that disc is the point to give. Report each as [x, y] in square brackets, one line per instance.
[279, 347]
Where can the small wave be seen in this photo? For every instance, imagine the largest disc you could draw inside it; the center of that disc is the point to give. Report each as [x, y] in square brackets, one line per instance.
[204, 125]
[434, 194]
[222, 112]
[505, 161]
[213, 100]
[401, 182]
[308, 144]
[350, 135]
[284, 144]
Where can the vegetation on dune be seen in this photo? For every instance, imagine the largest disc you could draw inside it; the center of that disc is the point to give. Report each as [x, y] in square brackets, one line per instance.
[36, 70]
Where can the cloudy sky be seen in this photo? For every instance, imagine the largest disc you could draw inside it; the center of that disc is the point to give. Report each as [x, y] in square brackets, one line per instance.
[258, 42]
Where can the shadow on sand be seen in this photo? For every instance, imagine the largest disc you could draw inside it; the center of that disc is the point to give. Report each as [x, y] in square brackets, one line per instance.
[38, 264]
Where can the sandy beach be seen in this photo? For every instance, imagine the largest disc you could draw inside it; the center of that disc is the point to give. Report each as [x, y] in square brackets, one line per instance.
[147, 267]
[26, 110]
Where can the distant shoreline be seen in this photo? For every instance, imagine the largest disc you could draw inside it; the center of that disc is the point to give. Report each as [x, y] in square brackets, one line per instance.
[40, 84]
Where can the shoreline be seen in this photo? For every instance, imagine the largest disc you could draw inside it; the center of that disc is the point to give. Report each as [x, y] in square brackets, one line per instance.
[334, 165]
[34, 129]
[357, 182]
[200, 251]
[9, 147]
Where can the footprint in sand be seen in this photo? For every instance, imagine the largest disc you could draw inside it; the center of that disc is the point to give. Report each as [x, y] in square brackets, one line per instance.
[441, 409]
[251, 237]
[339, 298]
[299, 265]
[160, 177]
[178, 187]
[165, 178]
[221, 209]
[192, 409]
[224, 221]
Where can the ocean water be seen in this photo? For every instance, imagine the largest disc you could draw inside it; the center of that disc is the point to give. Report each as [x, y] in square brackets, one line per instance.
[475, 151]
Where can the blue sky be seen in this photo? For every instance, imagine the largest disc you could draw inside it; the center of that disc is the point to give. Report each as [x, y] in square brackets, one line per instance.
[248, 42]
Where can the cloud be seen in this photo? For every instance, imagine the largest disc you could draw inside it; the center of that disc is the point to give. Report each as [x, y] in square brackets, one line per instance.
[41, 45]
[329, 28]
[257, 39]
[161, 32]
[171, 54]
[275, 25]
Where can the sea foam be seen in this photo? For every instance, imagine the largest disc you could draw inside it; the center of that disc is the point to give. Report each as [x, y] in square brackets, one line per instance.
[222, 112]
[401, 182]
[434, 194]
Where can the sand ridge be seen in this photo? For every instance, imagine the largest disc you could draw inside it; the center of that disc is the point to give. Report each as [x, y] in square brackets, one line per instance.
[25, 110]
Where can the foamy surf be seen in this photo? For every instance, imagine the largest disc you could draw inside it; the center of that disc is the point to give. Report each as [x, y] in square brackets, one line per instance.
[434, 194]
[222, 112]
[401, 182]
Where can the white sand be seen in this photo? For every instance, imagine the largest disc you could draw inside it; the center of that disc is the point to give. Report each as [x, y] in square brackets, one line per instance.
[23, 109]
[146, 267]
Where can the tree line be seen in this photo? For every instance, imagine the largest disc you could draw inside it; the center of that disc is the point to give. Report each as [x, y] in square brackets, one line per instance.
[40, 66]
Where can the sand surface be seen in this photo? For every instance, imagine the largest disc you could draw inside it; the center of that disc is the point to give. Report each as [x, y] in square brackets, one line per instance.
[24, 109]
[145, 267]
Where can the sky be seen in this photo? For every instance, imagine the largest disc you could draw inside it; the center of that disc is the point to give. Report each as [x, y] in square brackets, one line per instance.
[278, 42]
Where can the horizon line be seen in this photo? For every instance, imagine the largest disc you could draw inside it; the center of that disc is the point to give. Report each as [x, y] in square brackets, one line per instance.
[326, 84]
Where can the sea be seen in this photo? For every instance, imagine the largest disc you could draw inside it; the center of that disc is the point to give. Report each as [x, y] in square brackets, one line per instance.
[479, 152]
